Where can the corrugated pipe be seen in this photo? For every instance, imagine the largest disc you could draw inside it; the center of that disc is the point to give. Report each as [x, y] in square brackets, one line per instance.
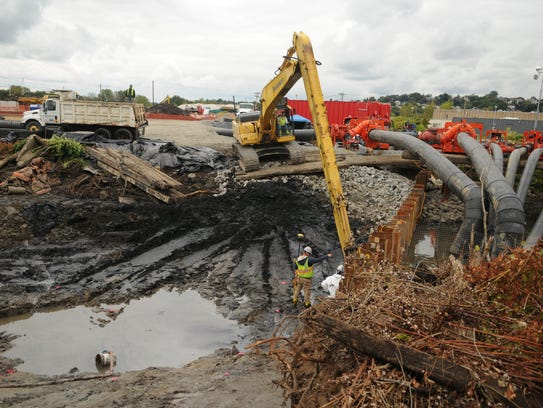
[512, 165]
[536, 233]
[455, 180]
[537, 230]
[509, 211]
[497, 156]
[528, 173]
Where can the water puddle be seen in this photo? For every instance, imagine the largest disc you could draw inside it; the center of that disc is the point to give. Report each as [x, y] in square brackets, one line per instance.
[168, 329]
[430, 243]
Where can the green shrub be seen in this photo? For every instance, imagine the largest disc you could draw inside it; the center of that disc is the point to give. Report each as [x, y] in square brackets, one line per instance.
[66, 151]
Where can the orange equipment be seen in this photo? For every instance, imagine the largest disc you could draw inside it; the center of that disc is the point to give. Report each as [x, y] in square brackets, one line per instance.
[444, 139]
[499, 137]
[532, 139]
[350, 134]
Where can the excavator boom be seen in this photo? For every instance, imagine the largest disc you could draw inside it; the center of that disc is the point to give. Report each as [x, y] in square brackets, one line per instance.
[308, 69]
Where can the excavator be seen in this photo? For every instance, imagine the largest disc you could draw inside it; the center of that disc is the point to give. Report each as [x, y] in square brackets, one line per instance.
[257, 134]
[262, 130]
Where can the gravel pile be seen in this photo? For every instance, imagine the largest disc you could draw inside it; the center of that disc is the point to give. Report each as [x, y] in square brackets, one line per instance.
[373, 195]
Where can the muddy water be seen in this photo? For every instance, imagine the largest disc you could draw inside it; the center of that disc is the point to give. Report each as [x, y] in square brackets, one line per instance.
[167, 329]
[430, 243]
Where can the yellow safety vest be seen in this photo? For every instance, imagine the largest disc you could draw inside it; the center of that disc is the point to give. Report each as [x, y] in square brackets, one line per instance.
[303, 270]
[282, 120]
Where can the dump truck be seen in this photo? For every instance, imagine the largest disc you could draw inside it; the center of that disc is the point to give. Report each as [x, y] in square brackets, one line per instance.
[63, 111]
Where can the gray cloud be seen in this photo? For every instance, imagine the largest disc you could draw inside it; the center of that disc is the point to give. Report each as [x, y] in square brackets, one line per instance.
[225, 49]
[18, 16]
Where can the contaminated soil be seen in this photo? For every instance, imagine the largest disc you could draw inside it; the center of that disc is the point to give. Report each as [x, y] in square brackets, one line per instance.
[234, 243]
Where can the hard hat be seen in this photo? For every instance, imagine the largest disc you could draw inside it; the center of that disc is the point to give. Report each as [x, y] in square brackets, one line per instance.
[308, 250]
[339, 269]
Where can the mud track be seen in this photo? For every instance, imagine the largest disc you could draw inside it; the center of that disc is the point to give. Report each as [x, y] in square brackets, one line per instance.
[65, 251]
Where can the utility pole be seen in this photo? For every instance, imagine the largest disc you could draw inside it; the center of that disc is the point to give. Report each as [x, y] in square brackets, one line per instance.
[341, 94]
[537, 76]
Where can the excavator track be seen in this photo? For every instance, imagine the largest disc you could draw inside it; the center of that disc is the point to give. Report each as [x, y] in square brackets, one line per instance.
[248, 157]
[295, 152]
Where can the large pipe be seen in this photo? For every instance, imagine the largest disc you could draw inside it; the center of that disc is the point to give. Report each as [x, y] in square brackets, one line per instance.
[497, 155]
[528, 173]
[512, 165]
[454, 178]
[508, 208]
[536, 233]
[10, 124]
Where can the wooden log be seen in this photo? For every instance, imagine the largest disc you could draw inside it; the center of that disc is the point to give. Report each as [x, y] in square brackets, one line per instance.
[16, 190]
[7, 159]
[314, 167]
[134, 167]
[137, 182]
[438, 369]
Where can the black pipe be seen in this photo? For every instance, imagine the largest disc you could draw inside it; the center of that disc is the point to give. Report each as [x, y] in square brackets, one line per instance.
[512, 165]
[497, 155]
[536, 233]
[508, 208]
[454, 178]
[10, 124]
[528, 173]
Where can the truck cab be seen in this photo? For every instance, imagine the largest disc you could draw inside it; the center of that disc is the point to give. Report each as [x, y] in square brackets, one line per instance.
[244, 107]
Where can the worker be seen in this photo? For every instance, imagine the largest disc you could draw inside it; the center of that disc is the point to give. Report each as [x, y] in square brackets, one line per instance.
[331, 283]
[130, 93]
[304, 275]
[282, 122]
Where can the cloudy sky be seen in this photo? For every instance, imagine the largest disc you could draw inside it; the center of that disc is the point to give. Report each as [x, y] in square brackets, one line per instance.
[231, 48]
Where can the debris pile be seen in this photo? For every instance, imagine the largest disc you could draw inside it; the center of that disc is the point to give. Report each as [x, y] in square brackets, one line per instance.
[33, 177]
[136, 171]
[167, 109]
[472, 338]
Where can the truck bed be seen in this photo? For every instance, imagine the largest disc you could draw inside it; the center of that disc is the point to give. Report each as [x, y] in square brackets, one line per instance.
[107, 114]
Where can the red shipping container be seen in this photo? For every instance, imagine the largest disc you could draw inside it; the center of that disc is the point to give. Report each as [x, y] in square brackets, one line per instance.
[339, 110]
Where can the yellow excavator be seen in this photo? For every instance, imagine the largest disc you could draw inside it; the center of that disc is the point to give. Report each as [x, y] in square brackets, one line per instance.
[260, 131]
[257, 134]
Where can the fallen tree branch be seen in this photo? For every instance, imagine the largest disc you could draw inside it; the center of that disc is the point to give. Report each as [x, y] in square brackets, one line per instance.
[440, 370]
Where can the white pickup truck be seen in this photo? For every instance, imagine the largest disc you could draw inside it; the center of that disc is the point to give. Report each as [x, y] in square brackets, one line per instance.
[112, 120]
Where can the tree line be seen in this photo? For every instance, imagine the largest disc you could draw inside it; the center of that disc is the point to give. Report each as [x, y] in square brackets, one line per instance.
[105, 95]
[412, 104]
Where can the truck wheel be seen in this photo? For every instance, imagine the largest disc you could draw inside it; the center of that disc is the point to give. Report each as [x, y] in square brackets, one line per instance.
[33, 126]
[124, 134]
[103, 132]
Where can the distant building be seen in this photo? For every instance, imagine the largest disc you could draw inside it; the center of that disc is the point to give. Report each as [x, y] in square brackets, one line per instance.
[514, 120]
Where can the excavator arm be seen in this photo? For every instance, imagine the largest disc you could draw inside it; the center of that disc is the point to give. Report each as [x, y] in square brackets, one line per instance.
[308, 69]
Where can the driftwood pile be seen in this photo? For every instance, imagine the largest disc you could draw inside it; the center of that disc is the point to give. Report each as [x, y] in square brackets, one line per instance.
[473, 338]
[138, 172]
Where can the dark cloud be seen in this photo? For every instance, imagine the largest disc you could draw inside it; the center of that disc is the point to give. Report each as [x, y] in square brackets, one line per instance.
[17, 16]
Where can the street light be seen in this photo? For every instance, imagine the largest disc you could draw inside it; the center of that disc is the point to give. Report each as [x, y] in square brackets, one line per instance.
[539, 71]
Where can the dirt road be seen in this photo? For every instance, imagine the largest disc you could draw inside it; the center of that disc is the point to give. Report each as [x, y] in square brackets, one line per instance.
[189, 133]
